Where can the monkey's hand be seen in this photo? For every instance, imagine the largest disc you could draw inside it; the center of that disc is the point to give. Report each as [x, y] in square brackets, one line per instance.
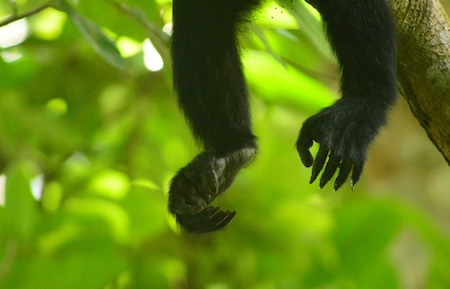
[195, 186]
[344, 132]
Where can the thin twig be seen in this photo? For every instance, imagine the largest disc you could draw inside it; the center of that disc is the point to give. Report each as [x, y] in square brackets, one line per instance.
[26, 14]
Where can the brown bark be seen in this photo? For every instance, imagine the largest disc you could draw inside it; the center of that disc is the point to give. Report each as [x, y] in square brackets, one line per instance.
[424, 65]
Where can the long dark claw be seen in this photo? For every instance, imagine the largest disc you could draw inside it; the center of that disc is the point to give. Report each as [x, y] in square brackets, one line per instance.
[344, 172]
[210, 219]
[304, 143]
[330, 169]
[220, 218]
[318, 163]
[356, 174]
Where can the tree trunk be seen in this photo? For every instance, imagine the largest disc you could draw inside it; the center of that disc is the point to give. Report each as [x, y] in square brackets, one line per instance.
[424, 65]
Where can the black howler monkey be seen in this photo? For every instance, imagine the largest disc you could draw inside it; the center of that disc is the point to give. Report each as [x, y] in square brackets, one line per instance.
[213, 96]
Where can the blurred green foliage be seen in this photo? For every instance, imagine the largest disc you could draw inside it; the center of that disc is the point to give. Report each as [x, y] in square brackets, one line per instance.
[89, 140]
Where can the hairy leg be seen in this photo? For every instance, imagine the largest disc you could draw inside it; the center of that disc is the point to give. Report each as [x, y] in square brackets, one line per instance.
[212, 94]
[362, 34]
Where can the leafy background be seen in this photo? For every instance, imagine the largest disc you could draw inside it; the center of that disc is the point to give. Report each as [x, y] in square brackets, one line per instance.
[90, 136]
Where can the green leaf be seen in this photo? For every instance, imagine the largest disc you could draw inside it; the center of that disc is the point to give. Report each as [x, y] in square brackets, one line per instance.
[293, 88]
[310, 23]
[99, 41]
[87, 264]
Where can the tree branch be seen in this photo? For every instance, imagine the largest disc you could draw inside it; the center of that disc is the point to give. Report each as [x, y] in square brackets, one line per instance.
[424, 66]
[16, 17]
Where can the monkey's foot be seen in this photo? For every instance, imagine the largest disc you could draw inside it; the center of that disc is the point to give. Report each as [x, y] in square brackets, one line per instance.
[196, 186]
[344, 132]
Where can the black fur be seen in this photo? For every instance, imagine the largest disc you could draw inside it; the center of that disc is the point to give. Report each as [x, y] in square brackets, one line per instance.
[212, 94]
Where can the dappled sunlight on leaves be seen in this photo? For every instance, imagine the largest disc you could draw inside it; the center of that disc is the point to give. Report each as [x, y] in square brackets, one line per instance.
[100, 145]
